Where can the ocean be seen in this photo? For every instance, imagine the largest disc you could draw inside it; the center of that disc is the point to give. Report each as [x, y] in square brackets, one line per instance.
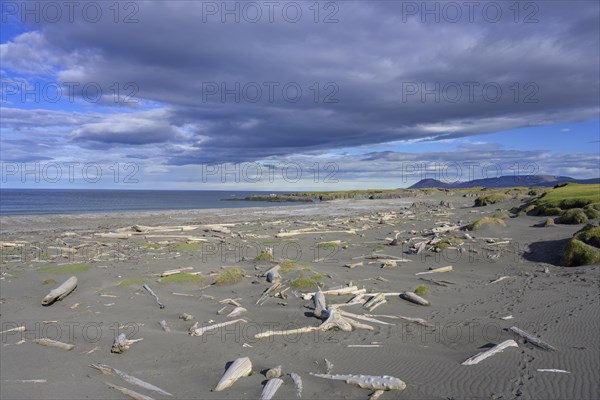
[78, 201]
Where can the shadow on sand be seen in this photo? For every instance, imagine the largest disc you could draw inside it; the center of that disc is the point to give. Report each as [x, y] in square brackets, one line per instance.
[549, 252]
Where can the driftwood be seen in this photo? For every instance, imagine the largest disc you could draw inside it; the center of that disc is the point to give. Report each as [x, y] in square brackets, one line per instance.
[320, 303]
[418, 321]
[553, 370]
[54, 343]
[297, 383]
[239, 368]
[310, 231]
[358, 264]
[335, 292]
[60, 292]
[375, 301]
[414, 298]
[436, 270]
[107, 370]
[155, 296]
[366, 317]
[186, 317]
[129, 393]
[122, 344]
[163, 325]
[485, 354]
[273, 276]
[268, 292]
[174, 271]
[389, 264]
[274, 372]
[271, 388]
[386, 257]
[305, 329]
[113, 235]
[328, 366]
[532, 339]
[17, 329]
[233, 302]
[500, 279]
[236, 312]
[335, 319]
[376, 394]
[436, 282]
[195, 331]
[368, 381]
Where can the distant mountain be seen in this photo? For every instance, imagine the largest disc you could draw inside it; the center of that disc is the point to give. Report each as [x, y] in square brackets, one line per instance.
[503, 181]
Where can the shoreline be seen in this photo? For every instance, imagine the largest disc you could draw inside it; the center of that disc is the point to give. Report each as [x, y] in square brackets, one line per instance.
[39, 222]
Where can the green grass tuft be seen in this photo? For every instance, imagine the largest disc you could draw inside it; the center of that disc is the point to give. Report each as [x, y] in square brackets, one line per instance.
[573, 216]
[49, 281]
[65, 269]
[490, 199]
[229, 277]
[591, 211]
[578, 253]
[448, 242]
[132, 281]
[501, 214]
[378, 247]
[306, 282]
[183, 247]
[421, 290]
[589, 235]
[182, 278]
[325, 245]
[485, 221]
[264, 256]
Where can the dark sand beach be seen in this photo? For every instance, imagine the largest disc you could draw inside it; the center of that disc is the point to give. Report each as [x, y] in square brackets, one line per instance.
[467, 313]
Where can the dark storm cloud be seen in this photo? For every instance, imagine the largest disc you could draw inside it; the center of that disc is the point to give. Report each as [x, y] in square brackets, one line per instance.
[367, 67]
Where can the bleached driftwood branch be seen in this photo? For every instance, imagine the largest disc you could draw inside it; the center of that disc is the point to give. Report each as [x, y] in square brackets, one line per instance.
[54, 343]
[108, 370]
[195, 331]
[488, 353]
[532, 339]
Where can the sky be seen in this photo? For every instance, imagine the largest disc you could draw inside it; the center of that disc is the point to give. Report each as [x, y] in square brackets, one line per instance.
[305, 95]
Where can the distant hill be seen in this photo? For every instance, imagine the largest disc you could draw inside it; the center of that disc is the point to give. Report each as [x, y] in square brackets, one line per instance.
[503, 181]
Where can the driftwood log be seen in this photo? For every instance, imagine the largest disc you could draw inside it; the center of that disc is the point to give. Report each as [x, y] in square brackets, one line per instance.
[297, 383]
[195, 331]
[60, 292]
[107, 370]
[368, 381]
[319, 303]
[129, 393]
[488, 353]
[239, 368]
[414, 298]
[54, 343]
[271, 388]
[436, 270]
[532, 339]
